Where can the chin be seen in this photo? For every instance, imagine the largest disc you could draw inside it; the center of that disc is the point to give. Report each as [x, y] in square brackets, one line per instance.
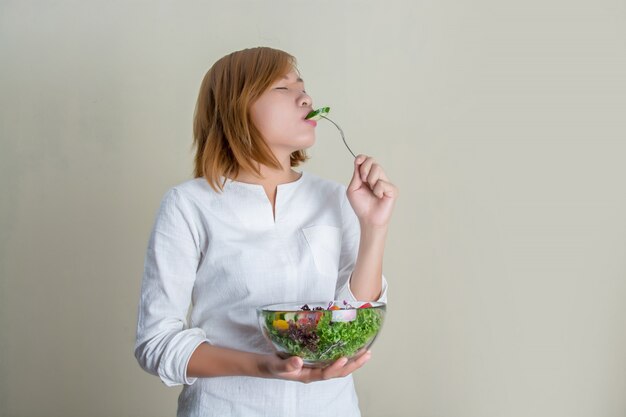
[302, 145]
[306, 146]
[308, 142]
[299, 143]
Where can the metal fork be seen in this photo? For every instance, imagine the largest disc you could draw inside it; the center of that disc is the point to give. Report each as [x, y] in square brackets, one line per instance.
[342, 135]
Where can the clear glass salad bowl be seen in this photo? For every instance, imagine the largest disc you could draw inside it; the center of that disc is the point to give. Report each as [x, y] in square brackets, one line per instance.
[321, 332]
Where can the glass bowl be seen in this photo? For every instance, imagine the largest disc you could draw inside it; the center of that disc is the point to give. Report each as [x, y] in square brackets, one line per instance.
[321, 332]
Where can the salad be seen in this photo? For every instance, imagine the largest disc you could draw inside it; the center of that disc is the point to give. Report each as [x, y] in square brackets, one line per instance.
[318, 114]
[322, 335]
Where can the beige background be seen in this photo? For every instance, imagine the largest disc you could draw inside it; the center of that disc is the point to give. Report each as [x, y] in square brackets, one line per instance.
[503, 124]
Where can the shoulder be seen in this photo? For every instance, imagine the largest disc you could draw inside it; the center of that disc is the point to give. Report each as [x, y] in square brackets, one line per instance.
[191, 190]
[186, 197]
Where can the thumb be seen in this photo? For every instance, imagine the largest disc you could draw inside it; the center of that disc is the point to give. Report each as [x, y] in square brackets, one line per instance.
[356, 181]
[291, 364]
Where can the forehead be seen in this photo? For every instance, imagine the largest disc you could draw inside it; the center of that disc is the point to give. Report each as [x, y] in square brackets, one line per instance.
[292, 76]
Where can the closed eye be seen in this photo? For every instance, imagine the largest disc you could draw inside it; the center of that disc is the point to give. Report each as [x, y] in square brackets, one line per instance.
[285, 88]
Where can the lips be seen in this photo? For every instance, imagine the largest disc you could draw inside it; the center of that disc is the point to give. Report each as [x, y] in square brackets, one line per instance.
[311, 122]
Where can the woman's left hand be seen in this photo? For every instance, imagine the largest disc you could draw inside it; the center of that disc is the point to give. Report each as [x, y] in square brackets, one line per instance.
[370, 193]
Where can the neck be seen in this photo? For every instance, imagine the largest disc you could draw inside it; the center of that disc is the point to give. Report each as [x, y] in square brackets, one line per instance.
[271, 177]
[270, 180]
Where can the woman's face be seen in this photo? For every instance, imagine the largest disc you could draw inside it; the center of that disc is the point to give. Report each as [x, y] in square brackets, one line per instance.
[279, 115]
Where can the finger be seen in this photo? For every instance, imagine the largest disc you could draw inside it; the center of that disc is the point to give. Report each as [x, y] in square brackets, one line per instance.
[361, 360]
[356, 363]
[334, 370]
[390, 190]
[379, 189]
[360, 158]
[360, 352]
[373, 175]
[372, 163]
[308, 375]
[384, 188]
[356, 181]
[367, 353]
[365, 167]
[337, 365]
[383, 174]
[290, 365]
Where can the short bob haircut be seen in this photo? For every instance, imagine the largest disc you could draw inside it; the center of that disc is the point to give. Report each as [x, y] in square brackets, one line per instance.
[225, 139]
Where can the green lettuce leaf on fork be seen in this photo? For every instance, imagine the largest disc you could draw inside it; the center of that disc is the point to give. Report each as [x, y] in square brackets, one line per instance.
[317, 114]
[322, 112]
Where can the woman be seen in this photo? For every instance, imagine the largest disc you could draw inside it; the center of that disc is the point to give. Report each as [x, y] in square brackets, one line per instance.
[248, 231]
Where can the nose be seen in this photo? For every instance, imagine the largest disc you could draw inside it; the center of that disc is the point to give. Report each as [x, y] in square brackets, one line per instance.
[306, 100]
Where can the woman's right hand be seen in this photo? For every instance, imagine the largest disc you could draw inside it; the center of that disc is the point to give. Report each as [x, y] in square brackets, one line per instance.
[293, 368]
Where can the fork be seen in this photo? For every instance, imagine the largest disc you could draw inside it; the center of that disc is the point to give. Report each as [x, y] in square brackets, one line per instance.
[342, 135]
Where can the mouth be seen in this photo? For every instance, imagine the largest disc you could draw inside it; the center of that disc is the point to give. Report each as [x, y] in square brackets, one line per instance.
[311, 122]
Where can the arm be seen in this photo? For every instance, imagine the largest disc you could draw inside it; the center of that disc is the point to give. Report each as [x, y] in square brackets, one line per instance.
[365, 283]
[212, 361]
[372, 197]
[163, 341]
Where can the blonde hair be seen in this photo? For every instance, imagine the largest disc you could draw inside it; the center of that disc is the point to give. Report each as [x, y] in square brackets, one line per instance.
[225, 138]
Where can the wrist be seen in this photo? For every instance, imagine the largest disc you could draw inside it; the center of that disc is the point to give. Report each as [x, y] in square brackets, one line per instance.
[375, 232]
[211, 361]
[262, 366]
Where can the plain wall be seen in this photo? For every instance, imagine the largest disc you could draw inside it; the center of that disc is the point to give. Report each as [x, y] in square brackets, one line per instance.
[502, 123]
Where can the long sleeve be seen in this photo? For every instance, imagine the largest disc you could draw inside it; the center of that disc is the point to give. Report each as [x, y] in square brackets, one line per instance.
[164, 343]
[350, 238]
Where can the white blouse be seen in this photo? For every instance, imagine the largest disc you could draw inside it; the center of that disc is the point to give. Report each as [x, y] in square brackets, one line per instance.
[226, 254]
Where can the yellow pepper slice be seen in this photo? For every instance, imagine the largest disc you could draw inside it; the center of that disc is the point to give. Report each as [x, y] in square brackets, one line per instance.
[280, 324]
